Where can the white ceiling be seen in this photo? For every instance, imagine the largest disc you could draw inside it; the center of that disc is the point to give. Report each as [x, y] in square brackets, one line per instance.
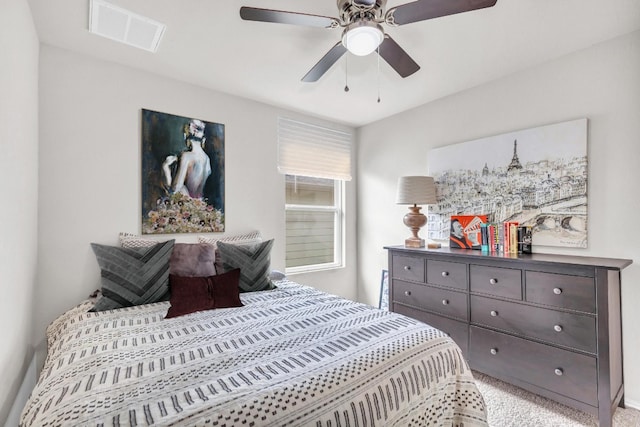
[207, 44]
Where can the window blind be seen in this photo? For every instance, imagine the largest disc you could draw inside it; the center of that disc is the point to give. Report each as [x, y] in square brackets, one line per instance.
[305, 149]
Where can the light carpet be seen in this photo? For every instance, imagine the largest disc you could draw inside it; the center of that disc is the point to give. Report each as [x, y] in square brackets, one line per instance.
[510, 406]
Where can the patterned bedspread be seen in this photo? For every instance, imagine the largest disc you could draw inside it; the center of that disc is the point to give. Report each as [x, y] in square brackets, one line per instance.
[292, 356]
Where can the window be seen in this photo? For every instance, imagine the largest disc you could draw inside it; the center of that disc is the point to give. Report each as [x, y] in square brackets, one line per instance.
[314, 223]
[316, 162]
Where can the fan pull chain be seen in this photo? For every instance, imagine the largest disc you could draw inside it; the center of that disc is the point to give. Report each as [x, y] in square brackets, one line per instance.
[346, 69]
[378, 74]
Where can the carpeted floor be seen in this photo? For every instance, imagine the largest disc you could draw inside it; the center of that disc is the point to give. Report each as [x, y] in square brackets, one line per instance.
[510, 406]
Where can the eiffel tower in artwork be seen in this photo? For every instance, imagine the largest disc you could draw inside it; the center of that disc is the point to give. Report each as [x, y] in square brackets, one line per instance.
[515, 163]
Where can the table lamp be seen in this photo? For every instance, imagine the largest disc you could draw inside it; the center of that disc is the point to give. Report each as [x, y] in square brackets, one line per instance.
[414, 190]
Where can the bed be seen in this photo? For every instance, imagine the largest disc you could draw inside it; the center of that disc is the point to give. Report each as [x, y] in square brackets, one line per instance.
[290, 356]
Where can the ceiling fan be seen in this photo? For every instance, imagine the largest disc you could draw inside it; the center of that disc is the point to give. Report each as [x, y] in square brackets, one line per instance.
[362, 30]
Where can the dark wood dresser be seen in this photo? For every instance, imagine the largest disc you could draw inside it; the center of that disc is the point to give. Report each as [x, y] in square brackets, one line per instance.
[550, 324]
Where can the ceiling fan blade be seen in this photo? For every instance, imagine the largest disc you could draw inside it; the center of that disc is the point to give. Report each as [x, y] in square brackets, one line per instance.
[325, 63]
[282, 17]
[399, 60]
[427, 9]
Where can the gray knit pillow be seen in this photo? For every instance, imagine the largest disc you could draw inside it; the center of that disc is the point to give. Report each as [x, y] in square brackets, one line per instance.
[252, 260]
[133, 276]
[238, 239]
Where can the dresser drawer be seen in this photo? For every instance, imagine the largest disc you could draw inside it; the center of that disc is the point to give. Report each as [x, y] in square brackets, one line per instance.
[567, 329]
[503, 282]
[560, 371]
[408, 268]
[443, 301]
[450, 274]
[458, 331]
[561, 290]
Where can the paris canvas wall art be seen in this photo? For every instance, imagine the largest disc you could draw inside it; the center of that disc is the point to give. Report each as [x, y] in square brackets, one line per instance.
[182, 174]
[536, 176]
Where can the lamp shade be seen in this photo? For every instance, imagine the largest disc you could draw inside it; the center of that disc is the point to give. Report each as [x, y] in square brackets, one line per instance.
[414, 190]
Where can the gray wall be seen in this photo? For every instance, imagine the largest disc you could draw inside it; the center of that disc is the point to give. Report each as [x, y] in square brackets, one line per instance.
[19, 177]
[601, 83]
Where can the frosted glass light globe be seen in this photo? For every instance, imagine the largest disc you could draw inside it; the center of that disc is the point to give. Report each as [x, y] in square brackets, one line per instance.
[362, 37]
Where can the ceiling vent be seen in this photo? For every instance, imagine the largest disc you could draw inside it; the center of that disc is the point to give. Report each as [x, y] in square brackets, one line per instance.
[126, 27]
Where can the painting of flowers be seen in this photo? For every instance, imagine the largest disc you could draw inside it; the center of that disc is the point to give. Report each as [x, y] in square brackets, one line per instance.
[182, 174]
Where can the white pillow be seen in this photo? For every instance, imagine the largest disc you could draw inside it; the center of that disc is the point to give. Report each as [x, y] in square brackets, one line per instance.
[129, 240]
[240, 239]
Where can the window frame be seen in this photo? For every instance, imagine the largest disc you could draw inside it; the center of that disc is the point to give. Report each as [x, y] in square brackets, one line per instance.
[339, 235]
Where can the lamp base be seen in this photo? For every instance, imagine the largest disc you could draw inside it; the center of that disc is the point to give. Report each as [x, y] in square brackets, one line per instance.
[414, 219]
[412, 242]
[420, 243]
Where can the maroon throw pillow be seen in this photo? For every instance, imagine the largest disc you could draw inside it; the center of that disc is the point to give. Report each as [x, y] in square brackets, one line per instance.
[226, 289]
[191, 294]
[188, 295]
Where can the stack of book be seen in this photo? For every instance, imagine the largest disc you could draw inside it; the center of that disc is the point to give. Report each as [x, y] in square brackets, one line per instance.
[507, 237]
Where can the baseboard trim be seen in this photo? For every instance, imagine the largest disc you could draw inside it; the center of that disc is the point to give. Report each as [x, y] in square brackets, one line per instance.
[631, 404]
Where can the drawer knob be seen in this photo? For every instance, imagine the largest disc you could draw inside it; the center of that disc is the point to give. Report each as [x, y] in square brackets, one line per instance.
[559, 372]
[493, 351]
[407, 267]
[493, 281]
[494, 313]
[557, 291]
[557, 328]
[445, 302]
[407, 293]
[445, 273]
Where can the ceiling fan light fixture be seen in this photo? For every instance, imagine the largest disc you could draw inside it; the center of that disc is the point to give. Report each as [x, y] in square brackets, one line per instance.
[362, 37]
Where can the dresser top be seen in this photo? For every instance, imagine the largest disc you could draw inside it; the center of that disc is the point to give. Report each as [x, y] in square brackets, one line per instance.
[542, 258]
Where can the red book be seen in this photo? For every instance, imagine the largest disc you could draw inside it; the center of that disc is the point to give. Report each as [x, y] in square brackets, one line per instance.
[506, 240]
